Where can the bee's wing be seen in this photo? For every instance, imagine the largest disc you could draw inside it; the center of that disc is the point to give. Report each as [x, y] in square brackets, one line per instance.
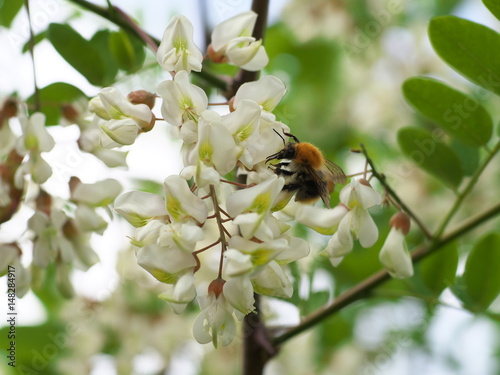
[337, 174]
[321, 183]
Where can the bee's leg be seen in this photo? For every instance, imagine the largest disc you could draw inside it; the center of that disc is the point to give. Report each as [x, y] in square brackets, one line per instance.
[291, 187]
[280, 171]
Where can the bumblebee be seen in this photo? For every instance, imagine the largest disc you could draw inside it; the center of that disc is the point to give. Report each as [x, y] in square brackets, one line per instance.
[307, 173]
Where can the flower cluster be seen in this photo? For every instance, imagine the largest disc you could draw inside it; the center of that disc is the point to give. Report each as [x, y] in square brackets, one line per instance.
[59, 229]
[208, 238]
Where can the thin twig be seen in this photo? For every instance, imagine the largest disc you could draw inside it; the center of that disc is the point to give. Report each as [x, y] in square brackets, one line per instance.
[365, 287]
[222, 230]
[234, 183]
[393, 194]
[207, 247]
[358, 174]
[36, 95]
[461, 196]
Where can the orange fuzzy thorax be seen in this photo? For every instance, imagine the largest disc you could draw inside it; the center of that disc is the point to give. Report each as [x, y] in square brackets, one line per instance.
[306, 153]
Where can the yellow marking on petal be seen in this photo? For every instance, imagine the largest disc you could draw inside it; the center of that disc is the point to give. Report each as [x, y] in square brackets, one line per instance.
[174, 208]
[163, 276]
[261, 257]
[244, 132]
[31, 142]
[115, 113]
[206, 151]
[261, 203]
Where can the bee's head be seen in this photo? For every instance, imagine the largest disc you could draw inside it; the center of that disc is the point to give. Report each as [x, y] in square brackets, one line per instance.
[289, 149]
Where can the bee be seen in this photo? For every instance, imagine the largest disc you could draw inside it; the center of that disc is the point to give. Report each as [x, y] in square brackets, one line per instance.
[308, 174]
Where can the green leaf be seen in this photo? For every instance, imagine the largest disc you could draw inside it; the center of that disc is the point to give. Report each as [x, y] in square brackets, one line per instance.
[37, 39]
[468, 155]
[78, 52]
[437, 271]
[53, 97]
[459, 115]
[493, 6]
[8, 11]
[481, 276]
[127, 50]
[469, 48]
[100, 41]
[431, 155]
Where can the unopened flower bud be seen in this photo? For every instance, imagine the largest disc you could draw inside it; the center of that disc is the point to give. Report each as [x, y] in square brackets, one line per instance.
[215, 56]
[9, 108]
[69, 229]
[73, 183]
[231, 104]
[400, 221]
[216, 286]
[362, 181]
[69, 112]
[44, 202]
[142, 97]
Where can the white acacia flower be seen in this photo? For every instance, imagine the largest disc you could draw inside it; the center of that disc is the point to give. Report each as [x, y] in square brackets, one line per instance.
[10, 252]
[122, 132]
[50, 243]
[232, 42]
[182, 205]
[85, 256]
[63, 282]
[87, 220]
[35, 136]
[177, 50]
[121, 121]
[297, 248]
[90, 141]
[251, 208]
[322, 220]
[394, 254]
[358, 197]
[243, 124]
[36, 166]
[180, 293]
[182, 101]
[34, 141]
[259, 198]
[98, 194]
[138, 207]
[272, 281]
[182, 236]
[166, 264]
[239, 293]
[267, 92]
[203, 175]
[215, 147]
[215, 322]
[7, 138]
[245, 257]
[23, 278]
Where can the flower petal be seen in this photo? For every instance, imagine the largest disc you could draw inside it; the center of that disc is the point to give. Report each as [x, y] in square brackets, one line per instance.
[138, 207]
[395, 256]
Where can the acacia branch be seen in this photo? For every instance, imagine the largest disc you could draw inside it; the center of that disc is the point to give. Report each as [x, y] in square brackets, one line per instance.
[394, 196]
[119, 18]
[365, 287]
